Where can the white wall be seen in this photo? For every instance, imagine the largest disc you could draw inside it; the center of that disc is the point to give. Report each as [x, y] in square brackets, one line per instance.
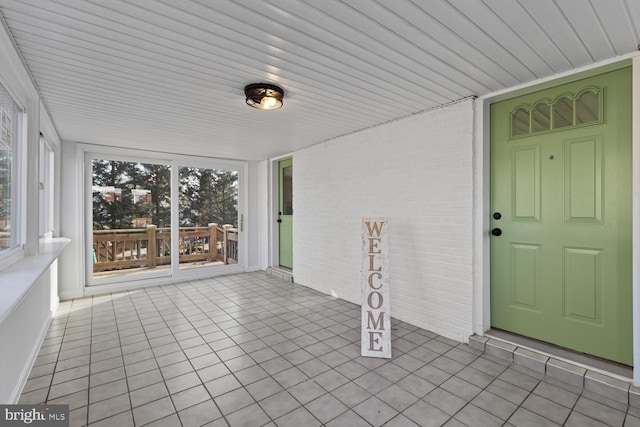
[252, 214]
[72, 259]
[262, 214]
[417, 172]
[22, 332]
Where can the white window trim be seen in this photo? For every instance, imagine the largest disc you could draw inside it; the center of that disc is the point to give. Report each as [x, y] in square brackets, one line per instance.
[19, 176]
[16, 80]
[11, 256]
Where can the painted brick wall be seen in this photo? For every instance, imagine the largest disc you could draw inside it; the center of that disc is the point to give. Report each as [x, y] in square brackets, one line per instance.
[417, 172]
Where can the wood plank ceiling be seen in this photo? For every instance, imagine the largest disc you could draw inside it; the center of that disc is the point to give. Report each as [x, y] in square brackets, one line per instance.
[168, 75]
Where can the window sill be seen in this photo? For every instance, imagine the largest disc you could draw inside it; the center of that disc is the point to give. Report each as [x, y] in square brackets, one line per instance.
[16, 280]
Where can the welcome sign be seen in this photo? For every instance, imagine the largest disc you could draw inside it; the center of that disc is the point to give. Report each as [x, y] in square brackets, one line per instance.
[376, 319]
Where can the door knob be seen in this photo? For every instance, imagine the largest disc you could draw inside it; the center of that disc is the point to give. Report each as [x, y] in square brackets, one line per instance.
[279, 220]
[496, 232]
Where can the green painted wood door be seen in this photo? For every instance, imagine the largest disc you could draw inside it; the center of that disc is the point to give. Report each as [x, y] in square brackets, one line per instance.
[561, 196]
[285, 212]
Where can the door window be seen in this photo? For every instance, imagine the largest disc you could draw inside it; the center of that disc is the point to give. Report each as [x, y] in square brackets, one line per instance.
[287, 190]
[565, 111]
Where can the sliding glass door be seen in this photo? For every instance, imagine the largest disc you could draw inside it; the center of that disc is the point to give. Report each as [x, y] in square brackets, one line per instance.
[208, 212]
[131, 218]
[155, 218]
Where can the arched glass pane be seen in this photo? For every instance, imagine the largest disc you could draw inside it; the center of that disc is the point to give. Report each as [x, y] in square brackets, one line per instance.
[520, 125]
[541, 119]
[588, 108]
[563, 113]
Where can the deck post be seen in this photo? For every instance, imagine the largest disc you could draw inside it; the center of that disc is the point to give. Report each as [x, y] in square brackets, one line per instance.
[152, 245]
[226, 228]
[213, 241]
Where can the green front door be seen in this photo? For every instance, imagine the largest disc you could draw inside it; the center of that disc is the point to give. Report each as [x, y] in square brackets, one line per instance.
[285, 212]
[561, 215]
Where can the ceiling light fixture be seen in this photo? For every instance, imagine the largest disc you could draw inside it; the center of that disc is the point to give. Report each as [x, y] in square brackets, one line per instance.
[264, 96]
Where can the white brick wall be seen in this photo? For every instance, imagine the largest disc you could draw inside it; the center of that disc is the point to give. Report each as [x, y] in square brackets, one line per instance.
[417, 172]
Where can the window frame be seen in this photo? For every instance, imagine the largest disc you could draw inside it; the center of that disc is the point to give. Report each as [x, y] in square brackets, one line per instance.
[46, 176]
[17, 215]
[573, 99]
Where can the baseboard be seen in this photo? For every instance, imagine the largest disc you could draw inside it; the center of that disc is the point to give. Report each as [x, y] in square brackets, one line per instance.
[70, 295]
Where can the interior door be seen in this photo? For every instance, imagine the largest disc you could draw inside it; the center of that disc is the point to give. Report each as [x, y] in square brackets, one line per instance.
[285, 212]
[561, 215]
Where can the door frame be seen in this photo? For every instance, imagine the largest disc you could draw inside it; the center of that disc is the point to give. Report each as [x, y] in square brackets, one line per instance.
[273, 255]
[481, 316]
[283, 217]
[85, 152]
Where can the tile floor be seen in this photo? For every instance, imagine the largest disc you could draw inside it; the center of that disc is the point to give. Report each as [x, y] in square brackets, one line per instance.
[253, 350]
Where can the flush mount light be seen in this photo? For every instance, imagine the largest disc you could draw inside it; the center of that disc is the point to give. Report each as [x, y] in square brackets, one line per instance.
[264, 96]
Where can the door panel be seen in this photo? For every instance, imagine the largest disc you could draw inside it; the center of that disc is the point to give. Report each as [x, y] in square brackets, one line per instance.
[526, 179]
[583, 179]
[582, 284]
[561, 268]
[525, 274]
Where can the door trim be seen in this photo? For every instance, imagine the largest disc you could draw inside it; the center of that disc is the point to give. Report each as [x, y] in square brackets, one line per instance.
[635, 215]
[273, 255]
[481, 316]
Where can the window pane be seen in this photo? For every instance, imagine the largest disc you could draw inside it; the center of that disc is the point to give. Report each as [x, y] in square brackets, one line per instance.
[208, 217]
[46, 187]
[541, 119]
[520, 125]
[6, 157]
[563, 113]
[287, 190]
[588, 108]
[131, 218]
[10, 116]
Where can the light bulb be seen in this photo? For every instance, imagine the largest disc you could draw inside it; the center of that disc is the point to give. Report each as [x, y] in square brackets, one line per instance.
[268, 103]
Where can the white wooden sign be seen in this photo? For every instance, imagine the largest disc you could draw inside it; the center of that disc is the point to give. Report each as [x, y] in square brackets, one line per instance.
[376, 318]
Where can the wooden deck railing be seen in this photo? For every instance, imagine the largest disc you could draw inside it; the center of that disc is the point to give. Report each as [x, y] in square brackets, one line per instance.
[151, 247]
[4, 240]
